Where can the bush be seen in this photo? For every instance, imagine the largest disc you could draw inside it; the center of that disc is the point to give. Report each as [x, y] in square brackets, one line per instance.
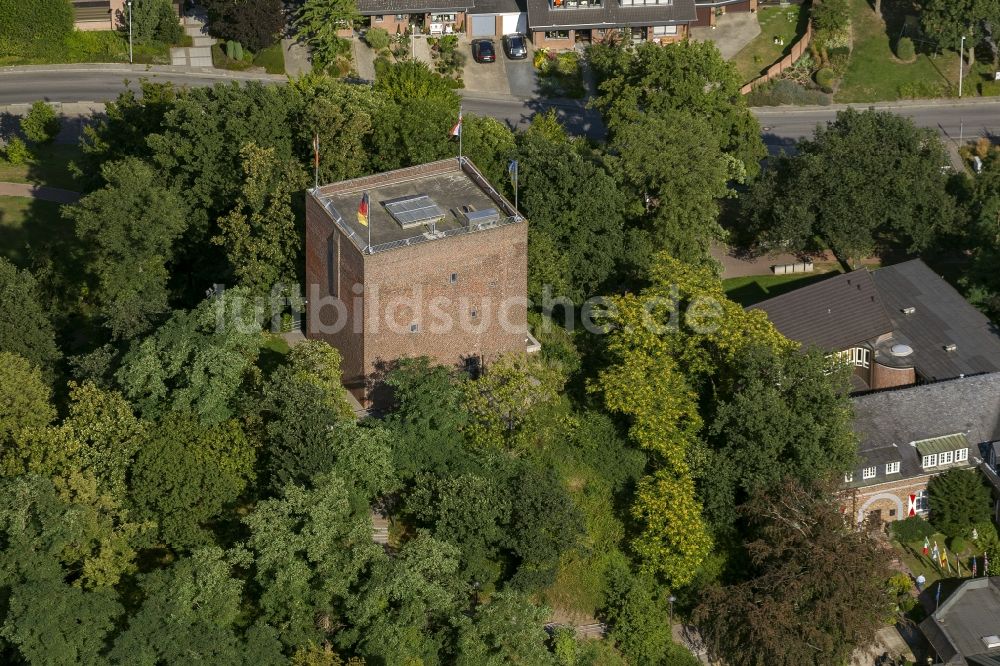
[256, 24]
[905, 50]
[911, 530]
[41, 125]
[17, 151]
[831, 15]
[957, 544]
[785, 91]
[825, 78]
[377, 38]
[32, 27]
[151, 20]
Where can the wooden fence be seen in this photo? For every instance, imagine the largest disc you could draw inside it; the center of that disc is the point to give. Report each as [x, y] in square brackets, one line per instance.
[798, 49]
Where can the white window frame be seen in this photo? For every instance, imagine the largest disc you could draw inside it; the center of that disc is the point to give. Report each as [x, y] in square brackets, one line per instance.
[402, 17]
[930, 460]
[848, 477]
[444, 18]
[892, 468]
[557, 34]
[869, 472]
[946, 457]
[961, 455]
[664, 30]
[921, 501]
[379, 18]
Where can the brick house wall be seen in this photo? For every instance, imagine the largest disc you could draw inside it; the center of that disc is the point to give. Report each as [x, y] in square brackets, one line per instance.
[891, 498]
[539, 39]
[394, 26]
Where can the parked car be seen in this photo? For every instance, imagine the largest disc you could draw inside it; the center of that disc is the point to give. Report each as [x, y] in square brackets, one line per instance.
[483, 50]
[515, 46]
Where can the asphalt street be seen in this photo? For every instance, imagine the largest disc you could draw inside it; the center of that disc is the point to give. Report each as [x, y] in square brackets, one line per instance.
[782, 126]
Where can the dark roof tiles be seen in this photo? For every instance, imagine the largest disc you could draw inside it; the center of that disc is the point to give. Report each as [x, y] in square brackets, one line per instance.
[611, 14]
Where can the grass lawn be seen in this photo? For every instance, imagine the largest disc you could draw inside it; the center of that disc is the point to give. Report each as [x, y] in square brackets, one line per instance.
[754, 289]
[272, 59]
[783, 22]
[912, 555]
[874, 74]
[49, 166]
[29, 225]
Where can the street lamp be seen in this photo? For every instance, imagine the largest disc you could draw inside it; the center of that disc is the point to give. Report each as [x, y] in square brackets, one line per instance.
[672, 599]
[961, 65]
[129, 3]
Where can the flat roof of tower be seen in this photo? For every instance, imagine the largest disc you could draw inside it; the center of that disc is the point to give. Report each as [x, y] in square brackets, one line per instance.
[428, 202]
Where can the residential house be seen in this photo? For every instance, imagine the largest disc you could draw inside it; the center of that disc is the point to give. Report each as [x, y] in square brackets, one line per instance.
[96, 14]
[563, 23]
[397, 16]
[965, 629]
[908, 435]
[896, 326]
[710, 10]
[437, 268]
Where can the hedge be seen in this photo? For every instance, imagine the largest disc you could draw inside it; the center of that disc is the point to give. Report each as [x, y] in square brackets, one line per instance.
[29, 27]
[825, 78]
[910, 530]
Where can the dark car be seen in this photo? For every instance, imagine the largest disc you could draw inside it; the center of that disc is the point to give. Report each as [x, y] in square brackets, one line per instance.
[483, 51]
[515, 46]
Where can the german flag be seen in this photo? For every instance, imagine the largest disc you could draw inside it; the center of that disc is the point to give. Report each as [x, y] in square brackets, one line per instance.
[363, 210]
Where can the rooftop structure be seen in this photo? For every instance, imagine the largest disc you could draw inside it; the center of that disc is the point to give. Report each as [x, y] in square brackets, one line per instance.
[898, 325]
[965, 629]
[439, 270]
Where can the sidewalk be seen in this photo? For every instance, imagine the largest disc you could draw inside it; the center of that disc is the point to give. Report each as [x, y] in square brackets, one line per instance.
[201, 72]
[41, 192]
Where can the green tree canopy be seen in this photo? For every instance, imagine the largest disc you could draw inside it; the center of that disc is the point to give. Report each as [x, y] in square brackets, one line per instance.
[187, 472]
[196, 361]
[25, 327]
[128, 229]
[259, 234]
[869, 179]
[689, 76]
[508, 630]
[25, 398]
[959, 499]
[256, 24]
[319, 21]
[946, 21]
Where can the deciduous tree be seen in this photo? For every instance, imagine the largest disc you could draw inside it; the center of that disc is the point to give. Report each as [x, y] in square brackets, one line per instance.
[815, 590]
[25, 327]
[508, 630]
[25, 399]
[128, 230]
[256, 24]
[319, 21]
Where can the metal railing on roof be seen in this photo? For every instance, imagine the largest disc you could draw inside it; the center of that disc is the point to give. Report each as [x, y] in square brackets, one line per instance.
[437, 235]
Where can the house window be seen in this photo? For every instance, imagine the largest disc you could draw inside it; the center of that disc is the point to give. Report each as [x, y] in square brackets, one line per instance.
[930, 460]
[660, 30]
[379, 18]
[454, 278]
[402, 17]
[848, 477]
[443, 18]
[414, 328]
[961, 455]
[557, 34]
[868, 473]
[857, 356]
[921, 501]
[946, 458]
[892, 468]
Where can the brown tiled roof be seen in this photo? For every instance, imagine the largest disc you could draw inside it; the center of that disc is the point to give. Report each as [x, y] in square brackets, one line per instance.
[834, 314]
[372, 7]
[611, 14]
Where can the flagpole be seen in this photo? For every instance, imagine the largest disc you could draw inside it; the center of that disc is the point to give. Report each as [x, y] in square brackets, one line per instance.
[517, 169]
[459, 133]
[369, 224]
[316, 158]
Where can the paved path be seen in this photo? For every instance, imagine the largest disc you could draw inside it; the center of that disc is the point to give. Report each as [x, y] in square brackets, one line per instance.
[732, 32]
[41, 192]
[364, 59]
[298, 61]
[735, 266]
[199, 54]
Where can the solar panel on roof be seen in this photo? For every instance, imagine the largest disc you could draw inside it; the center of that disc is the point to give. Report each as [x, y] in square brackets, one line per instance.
[413, 211]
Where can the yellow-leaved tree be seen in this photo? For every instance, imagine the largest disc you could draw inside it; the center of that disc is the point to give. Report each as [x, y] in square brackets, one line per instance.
[665, 345]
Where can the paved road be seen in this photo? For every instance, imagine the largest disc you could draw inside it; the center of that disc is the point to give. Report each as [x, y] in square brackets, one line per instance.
[783, 125]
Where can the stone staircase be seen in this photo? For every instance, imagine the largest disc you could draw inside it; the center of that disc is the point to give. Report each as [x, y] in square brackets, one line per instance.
[199, 54]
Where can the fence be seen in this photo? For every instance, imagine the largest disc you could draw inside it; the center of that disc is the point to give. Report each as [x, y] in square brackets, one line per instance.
[798, 49]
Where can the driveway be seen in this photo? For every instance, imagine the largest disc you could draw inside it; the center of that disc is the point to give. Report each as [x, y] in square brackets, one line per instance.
[731, 34]
[489, 77]
[522, 77]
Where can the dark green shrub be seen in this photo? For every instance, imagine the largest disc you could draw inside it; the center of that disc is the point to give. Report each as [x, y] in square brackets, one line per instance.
[256, 24]
[959, 499]
[957, 544]
[989, 88]
[911, 530]
[41, 125]
[785, 91]
[30, 27]
[17, 151]
[825, 78]
[151, 20]
[377, 38]
[905, 50]
[831, 15]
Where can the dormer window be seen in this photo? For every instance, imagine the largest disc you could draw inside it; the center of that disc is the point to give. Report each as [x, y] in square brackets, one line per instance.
[961, 455]
[946, 457]
[639, 3]
[848, 477]
[892, 468]
[930, 460]
[868, 473]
